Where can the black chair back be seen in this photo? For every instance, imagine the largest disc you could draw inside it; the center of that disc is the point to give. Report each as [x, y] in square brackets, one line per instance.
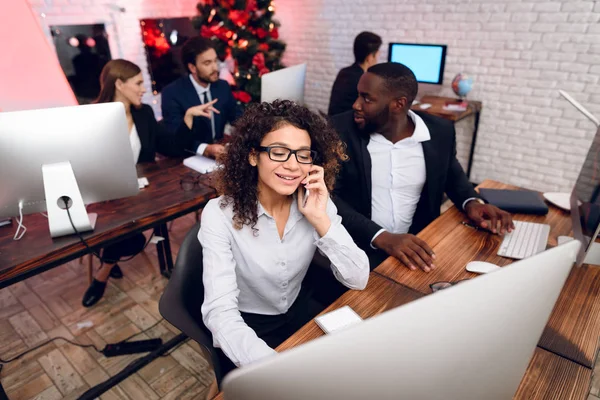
[181, 301]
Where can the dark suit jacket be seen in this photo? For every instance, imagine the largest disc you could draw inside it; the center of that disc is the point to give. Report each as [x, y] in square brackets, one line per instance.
[344, 92]
[180, 95]
[352, 193]
[155, 138]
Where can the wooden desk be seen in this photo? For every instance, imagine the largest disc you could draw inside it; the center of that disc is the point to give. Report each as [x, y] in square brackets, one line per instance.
[381, 294]
[163, 200]
[548, 376]
[574, 326]
[437, 109]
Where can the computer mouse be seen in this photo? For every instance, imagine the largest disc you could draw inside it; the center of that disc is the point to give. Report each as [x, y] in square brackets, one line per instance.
[482, 267]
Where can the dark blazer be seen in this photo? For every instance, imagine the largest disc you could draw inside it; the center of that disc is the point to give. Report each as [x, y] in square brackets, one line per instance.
[155, 139]
[344, 92]
[180, 95]
[352, 193]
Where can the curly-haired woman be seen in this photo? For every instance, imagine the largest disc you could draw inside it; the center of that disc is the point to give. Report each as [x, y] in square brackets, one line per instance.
[260, 236]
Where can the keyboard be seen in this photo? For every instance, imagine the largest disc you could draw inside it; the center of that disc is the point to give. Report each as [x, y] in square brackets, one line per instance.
[525, 240]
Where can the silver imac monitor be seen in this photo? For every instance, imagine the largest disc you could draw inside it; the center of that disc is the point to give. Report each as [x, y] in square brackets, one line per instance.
[471, 341]
[585, 197]
[585, 205]
[284, 84]
[82, 152]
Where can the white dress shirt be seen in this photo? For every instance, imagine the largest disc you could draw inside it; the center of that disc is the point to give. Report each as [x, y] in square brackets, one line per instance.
[201, 90]
[262, 273]
[136, 144]
[398, 174]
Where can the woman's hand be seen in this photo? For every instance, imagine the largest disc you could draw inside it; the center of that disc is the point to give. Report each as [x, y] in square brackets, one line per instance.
[315, 209]
[202, 110]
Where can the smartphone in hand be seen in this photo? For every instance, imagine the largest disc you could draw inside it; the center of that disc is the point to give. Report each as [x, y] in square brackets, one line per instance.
[306, 194]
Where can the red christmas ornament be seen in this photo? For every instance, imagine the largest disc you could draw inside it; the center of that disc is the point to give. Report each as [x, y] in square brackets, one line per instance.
[205, 32]
[239, 17]
[263, 47]
[275, 33]
[251, 5]
[242, 96]
[261, 33]
[263, 71]
[259, 61]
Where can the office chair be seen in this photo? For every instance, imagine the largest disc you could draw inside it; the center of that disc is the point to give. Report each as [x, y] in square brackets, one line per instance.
[181, 301]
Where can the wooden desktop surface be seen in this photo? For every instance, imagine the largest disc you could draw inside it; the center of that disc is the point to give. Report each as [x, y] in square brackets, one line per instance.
[437, 108]
[560, 367]
[574, 326]
[163, 200]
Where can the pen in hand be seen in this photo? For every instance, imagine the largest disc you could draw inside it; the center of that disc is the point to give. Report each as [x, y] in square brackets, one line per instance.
[471, 226]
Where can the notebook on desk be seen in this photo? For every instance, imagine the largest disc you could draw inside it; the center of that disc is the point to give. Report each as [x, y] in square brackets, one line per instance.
[200, 163]
[515, 201]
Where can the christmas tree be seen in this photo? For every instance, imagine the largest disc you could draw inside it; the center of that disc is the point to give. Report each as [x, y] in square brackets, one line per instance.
[246, 38]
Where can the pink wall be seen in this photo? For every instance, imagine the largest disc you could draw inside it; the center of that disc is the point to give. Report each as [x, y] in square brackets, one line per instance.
[30, 75]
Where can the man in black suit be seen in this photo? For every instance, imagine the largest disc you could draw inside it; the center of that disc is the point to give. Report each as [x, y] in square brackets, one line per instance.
[400, 165]
[181, 98]
[343, 93]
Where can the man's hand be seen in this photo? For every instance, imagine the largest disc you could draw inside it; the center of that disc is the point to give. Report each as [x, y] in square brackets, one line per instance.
[202, 110]
[214, 150]
[489, 217]
[409, 249]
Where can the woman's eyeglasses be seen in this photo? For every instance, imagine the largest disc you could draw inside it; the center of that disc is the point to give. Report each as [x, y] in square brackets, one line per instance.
[282, 154]
[437, 286]
[189, 181]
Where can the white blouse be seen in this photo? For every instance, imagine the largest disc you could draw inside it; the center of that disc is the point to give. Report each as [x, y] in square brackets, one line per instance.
[136, 144]
[263, 274]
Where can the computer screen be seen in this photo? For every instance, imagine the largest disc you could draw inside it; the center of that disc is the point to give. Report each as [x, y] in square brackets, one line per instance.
[585, 199]
[284, 84]
[425, 60]
[38, 146]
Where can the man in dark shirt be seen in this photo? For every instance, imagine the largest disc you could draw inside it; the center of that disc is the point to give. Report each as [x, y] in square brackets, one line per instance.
[344, 93]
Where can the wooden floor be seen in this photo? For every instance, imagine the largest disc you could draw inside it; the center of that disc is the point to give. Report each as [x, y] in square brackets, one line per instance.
[49, 305]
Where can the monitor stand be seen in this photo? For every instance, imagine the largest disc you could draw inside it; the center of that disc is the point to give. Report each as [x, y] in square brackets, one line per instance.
[592, 256]
[60, 185]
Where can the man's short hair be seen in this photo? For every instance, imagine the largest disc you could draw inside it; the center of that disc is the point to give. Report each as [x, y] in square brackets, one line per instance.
[364, 44]
[399, 79]
[194, 47]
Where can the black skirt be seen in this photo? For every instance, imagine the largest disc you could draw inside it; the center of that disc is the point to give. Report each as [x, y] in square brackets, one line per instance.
[275, 329]
[124, 248]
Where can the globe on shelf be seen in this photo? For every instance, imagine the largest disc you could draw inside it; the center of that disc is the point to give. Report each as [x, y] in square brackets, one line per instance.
[462, 85]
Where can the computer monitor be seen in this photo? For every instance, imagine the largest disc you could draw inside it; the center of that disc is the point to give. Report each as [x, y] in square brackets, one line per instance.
[473, 340]
[585, 197]
[426, 61]
[82, 152]
[284, 84]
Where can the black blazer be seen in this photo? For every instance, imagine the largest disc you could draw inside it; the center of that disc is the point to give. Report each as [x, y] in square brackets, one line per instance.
[180, 95]
[155, 139]
[344, 92]
[352, 193]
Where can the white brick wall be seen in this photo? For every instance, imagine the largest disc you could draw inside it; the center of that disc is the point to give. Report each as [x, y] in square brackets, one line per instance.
[518, 51]
[123, 27]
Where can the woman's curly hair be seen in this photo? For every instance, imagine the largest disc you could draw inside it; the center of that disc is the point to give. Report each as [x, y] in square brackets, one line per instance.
[237, 180]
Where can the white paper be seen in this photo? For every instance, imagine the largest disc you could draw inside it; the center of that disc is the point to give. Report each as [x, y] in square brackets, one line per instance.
[85, 324]
[155, 239]
[200, 164]
[338, 319]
